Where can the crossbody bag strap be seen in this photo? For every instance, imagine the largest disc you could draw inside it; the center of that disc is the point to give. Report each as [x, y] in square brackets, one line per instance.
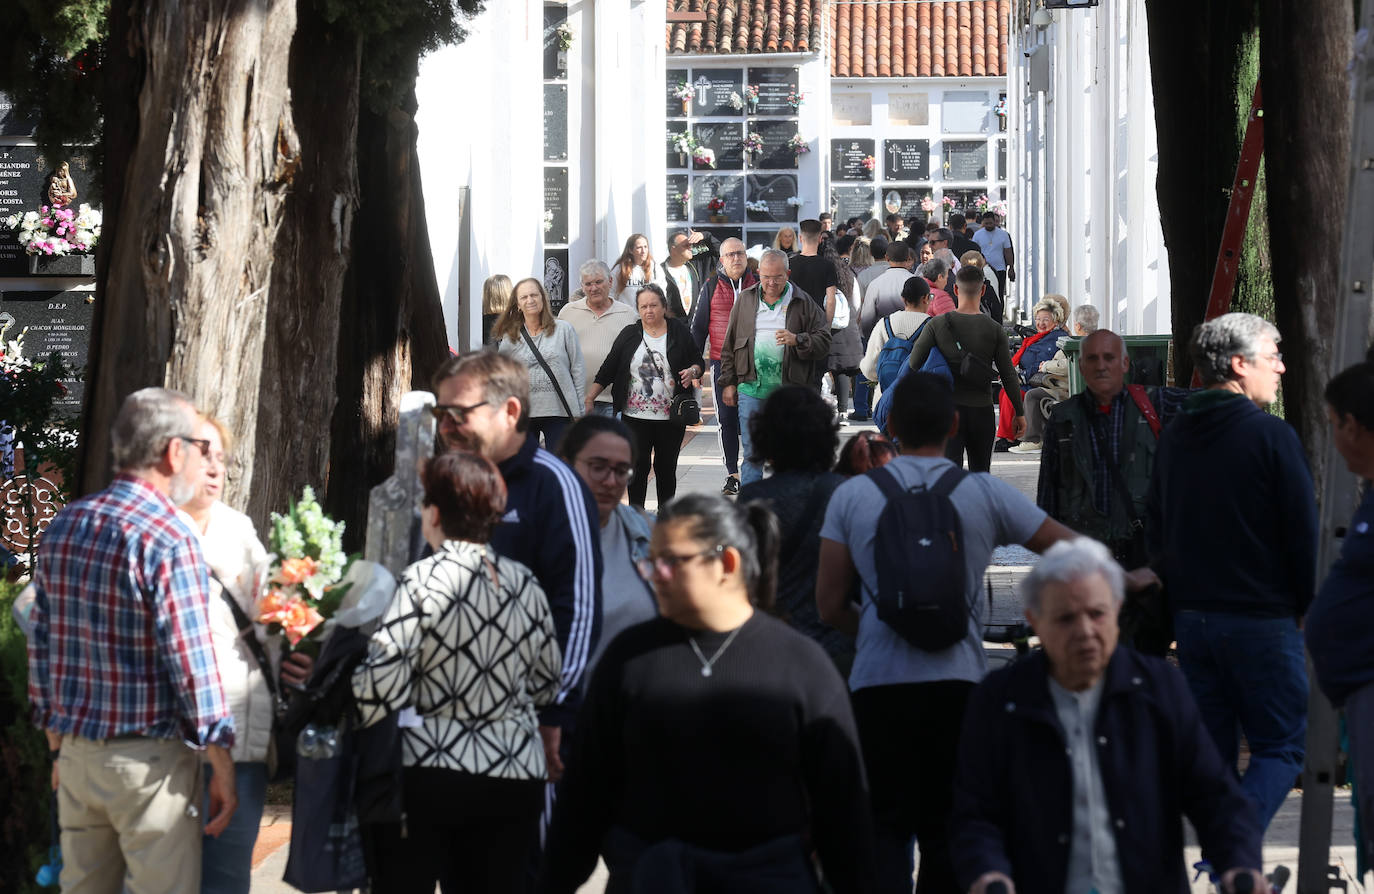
[249, 636]
[1147, 409]
[667, 373]
[557, 389]
[1123, 491]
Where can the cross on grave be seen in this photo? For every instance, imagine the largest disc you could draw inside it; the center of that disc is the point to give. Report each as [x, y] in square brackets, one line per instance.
[703, 88]
[393, 509]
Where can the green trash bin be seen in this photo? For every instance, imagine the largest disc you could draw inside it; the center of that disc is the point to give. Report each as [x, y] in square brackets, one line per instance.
[1149, 360]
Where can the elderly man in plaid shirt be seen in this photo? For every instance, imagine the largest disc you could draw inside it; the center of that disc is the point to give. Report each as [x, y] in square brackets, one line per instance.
[121, 671]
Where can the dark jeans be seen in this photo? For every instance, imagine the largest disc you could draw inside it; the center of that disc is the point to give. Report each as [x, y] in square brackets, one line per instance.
[473, 828]
[977, 431]
[909, 734]
[863, 393]
[1249, 675]
[728, 419]
[658, 441]
[552, 428]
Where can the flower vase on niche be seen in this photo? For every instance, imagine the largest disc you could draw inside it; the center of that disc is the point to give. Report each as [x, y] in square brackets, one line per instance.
[716, 208]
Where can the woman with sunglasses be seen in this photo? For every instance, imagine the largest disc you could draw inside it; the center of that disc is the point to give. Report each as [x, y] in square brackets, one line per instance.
[715, 742]
[601, 451]
[550, 351]
[648, 364]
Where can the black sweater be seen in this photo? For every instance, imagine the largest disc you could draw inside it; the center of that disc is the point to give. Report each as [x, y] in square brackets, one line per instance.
[615, 369]
[763, 748]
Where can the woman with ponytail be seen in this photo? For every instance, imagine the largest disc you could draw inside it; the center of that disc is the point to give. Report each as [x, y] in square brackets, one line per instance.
[715, 741]
[634, 269]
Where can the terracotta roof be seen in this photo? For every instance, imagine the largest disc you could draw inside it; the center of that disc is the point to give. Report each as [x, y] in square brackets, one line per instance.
[747, 26]
[896, 39]
[868, 38]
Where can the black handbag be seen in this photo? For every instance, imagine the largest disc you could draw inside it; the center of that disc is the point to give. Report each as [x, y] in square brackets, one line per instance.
[685, 409]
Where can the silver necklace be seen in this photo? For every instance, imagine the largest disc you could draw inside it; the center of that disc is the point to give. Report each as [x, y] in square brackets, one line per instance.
[706, 663]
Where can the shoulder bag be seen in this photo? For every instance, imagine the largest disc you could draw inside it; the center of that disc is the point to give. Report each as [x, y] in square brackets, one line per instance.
[970, 366]
[685, 409]
[557, 389]
[841, 319]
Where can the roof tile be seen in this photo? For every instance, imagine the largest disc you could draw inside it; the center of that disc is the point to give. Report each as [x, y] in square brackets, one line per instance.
[891, 38]
[750, 26]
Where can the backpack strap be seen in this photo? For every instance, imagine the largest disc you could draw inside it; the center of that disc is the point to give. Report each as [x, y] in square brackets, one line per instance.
[886, 481]
[887, 321]
[947, 482]
[1147, 409]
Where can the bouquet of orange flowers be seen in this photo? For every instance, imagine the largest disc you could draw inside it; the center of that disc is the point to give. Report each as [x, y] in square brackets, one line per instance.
[303, 588]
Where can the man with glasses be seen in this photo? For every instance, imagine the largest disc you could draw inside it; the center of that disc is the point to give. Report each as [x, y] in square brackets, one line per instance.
[710, 316]
[692, 255]
[1231, 530]
[777, 335]
[551, 523]
[597, 319]
[122, 673]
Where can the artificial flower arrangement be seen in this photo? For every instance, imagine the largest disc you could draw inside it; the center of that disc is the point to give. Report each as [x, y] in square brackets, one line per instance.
[565, 37]
[1001, 108]
[798, 145]
[303, 587]
[57, 231]
[751, 96]
[794, 99]
[548, 221]
[716, 205]
[948, 202]
[683, 198]
[758, 206]
[682, 91]
[869, 162]
[704, 157]
[736, 101]
[753, 142]
[795, 201]
[927, 204]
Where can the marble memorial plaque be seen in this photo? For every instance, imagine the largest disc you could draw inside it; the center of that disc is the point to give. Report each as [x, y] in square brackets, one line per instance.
[852, 201]
[908, 109]
[729, 187]
[965, 111]
[555, 122]
[726, 139]
[775, 86]
[1001, 160]
[555, 60]
[906, 201]
[847, 159]
[711, 91]
[557, 277]
[56, 321]
[906, 159]
[774, 189]
[966, 160]
[964, 199]
[676, 108]
[763, 237]
[776, 153]
[721, 233]
[851, 108]
[23, 179]
[556, 205]
[11, 123]
[675, 159]
[676, 186]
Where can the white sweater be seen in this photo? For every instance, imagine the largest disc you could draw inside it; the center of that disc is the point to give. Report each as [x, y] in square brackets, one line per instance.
[904, 325]
[564, 356]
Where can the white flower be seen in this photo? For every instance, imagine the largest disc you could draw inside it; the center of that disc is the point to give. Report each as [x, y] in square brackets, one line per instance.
[795, 201]
[736, 101]
[759, 205]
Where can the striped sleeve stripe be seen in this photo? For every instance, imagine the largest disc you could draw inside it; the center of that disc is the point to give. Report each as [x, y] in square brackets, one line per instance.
[584, 582]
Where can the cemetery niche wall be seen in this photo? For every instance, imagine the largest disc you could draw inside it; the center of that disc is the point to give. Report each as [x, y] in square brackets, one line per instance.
[734, 137]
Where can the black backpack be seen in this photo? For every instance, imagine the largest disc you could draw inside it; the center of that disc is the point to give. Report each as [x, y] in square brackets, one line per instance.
[918, 551]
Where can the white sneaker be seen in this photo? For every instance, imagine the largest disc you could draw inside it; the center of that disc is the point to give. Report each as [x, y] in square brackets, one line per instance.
[1026, 447]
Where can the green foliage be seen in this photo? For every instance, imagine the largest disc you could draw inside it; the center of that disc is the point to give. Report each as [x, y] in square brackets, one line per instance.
[396, 33]
[50, 66]
[24, 767]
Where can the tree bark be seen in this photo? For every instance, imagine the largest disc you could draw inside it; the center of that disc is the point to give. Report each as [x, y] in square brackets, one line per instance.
[189, 270]
[314, 248]
[1197, 78]
[391, 334]
[1303, 59]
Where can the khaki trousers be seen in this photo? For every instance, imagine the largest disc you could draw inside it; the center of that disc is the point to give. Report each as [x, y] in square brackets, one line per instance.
[122, 807]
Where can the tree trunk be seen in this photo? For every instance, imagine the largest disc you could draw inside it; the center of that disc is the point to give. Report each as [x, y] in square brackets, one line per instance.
[1304, 53]
[186, 288]
[1198, 77]
[296, 398]
[391, 334]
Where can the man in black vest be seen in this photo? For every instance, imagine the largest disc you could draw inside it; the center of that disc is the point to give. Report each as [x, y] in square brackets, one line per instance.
[692, 257]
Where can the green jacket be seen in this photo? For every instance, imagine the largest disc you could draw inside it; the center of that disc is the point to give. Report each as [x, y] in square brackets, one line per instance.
[800, 363]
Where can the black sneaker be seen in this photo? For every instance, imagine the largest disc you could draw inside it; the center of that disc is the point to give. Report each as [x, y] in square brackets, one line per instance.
[1003, 445]
[731, 488]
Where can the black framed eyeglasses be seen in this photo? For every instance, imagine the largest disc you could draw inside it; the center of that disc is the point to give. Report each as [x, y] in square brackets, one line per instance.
[668, 564]
[202, 443]
[456, 413]
[600, 469]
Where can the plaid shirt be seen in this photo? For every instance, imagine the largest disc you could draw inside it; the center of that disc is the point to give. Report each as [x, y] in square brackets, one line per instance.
[121, 640]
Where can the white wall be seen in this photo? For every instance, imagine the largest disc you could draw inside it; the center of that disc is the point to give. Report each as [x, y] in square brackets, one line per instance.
[1083, 165]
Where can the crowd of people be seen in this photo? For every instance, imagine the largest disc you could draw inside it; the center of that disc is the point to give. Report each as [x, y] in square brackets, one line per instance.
[784, 692]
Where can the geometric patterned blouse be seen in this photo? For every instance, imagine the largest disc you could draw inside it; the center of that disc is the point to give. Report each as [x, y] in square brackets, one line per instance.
[473, 659]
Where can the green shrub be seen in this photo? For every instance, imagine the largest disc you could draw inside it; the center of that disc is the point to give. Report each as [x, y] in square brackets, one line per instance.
[24, 767]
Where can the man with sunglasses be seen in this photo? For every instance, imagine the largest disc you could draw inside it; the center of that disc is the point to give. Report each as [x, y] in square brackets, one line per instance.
[692, 255]
[551, 523]
[122, 673]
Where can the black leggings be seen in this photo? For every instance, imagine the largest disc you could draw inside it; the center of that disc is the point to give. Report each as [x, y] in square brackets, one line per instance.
[977, 431]
[657, 441]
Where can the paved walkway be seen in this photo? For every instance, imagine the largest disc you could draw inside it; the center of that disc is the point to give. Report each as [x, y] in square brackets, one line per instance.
[701, 469]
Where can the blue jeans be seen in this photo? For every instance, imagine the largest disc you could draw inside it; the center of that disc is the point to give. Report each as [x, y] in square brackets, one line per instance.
[226, 862]
[1249, 674]
[863, 394]
[604, 408]
[552, 428]
[748, 406]
[728, 418]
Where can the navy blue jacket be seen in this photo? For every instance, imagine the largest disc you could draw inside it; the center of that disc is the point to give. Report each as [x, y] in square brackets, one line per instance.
[1232, 517]
[1340, 635]
[1013, 790]
[552, 527]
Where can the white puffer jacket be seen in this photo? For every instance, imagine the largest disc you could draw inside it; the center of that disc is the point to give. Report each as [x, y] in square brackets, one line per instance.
[238, 558]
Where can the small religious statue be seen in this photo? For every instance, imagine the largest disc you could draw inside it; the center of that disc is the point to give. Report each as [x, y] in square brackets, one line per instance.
[61, 187]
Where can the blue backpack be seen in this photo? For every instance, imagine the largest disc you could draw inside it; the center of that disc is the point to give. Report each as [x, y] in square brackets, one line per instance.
[895, 354]
[935, 363]
[918, 552]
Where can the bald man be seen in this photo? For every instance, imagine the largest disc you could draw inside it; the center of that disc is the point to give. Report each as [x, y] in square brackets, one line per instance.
[709, 318]
[1111, 429]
